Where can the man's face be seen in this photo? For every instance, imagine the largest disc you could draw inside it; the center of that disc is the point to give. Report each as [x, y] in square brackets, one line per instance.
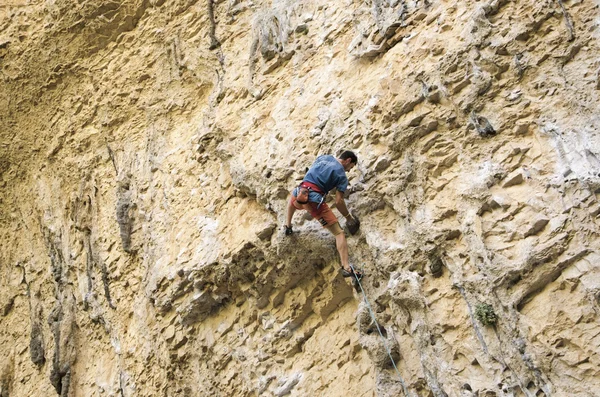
[348, 164]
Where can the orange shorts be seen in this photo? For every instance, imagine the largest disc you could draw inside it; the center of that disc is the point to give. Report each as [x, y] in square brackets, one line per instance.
[323, 214]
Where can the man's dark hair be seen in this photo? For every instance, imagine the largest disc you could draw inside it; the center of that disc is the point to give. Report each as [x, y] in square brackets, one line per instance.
[347, 154]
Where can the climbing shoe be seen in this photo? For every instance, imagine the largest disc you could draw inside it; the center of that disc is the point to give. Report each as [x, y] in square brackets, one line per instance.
[288, 230]
[352, 273]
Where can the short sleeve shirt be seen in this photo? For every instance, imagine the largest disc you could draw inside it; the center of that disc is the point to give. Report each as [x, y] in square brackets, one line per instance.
[327, 173]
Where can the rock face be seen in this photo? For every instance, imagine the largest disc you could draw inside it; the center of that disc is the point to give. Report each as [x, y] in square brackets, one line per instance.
[147, 148]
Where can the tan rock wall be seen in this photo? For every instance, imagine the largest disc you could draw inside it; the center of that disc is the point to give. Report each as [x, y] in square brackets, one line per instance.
[148, 147]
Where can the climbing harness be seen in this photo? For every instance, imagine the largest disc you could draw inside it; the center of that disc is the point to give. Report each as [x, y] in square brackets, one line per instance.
[303, 195]
[305, 189]
[406, 393]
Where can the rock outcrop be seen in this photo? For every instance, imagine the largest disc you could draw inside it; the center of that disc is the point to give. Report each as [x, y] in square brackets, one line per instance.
[147, 148]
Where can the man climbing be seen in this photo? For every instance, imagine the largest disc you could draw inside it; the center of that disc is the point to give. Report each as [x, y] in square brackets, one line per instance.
[325, 174]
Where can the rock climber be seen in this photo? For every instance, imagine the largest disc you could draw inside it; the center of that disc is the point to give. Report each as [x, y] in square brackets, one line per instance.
[325, 174]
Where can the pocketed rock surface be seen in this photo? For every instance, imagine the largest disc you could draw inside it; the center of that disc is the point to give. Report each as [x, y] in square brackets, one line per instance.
[147, 148]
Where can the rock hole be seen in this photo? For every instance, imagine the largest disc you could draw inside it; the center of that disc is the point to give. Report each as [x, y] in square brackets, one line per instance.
[319, 265]
[383, 331]
[514, 281]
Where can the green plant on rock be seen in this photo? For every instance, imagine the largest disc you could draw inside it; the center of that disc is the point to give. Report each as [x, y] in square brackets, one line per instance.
[485, 314]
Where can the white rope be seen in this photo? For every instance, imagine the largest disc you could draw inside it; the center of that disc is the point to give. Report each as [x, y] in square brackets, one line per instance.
[380, 333]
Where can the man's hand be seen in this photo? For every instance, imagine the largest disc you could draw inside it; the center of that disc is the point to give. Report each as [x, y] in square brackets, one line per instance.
[288, 230]
[353, 224]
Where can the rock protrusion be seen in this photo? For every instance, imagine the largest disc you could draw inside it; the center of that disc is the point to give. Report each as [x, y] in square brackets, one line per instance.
[125, 213]
[482, 125]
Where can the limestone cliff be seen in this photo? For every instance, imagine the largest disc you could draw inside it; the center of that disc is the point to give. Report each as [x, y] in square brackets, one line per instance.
[147, 148]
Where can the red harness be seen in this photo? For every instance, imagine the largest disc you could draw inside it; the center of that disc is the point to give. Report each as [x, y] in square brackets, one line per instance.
[311, 186]
[304, 190]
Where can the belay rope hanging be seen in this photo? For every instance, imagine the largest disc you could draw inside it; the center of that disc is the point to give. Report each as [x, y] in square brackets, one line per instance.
[406, 393]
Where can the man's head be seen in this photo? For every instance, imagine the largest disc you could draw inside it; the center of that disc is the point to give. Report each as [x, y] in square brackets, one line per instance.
[348, 159]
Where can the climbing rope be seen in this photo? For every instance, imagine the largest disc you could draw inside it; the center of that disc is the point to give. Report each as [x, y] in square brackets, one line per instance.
[406, 393]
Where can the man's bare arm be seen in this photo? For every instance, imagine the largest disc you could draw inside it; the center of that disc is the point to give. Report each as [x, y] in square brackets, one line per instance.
[340, 204]
[290, 213]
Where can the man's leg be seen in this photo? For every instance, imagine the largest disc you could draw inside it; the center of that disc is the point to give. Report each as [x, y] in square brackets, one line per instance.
[342, 246]
[340, 243]
[327, 218]
[329, 221]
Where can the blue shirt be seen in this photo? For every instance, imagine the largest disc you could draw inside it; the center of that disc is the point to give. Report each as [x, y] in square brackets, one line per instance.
[327, 173]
